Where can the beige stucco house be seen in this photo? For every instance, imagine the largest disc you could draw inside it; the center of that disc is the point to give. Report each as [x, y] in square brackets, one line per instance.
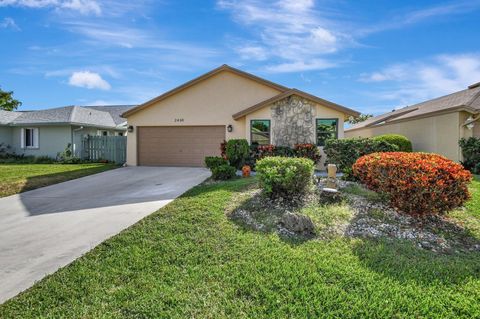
[433, 126]
[182, 126]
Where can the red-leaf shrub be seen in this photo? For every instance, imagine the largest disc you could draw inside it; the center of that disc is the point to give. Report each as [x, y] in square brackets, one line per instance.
[308, 150]
[265, 150]
[417, 183]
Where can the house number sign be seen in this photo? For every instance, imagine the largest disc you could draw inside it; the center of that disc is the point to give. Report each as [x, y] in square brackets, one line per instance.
[178, 120]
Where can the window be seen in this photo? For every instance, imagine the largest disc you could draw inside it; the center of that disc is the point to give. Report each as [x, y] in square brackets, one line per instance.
[260, 132]
[102, 133]
[326, 129]
[30, 138]
[120, 134]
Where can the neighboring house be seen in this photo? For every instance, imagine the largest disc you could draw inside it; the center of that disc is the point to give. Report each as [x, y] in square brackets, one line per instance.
[48, 132]
[433, 126]
[182, 126]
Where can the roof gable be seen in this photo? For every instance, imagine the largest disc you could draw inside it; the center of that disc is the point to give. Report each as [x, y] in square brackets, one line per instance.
[223, 68]
[290, 92]
[468, 100]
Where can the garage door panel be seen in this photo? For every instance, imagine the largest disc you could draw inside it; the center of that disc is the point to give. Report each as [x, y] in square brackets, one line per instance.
[178, 145]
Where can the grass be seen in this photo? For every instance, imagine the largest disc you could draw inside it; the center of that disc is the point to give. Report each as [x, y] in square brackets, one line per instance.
[470, 215]
[17, 178]
[189, 260]
[358, 190]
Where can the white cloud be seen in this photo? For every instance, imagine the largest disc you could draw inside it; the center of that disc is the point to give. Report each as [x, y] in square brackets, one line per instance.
[9, 23]
[400, 21]
[297, 5]
[299, 66]
[416, 81]
[290, 32]
[81, 6]
[113, 34]
[89, 80]
[393, 72]
[252, 52]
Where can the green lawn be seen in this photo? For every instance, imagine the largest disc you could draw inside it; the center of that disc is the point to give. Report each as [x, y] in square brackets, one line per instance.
[470, 216]
[188, 260]
[17, 178]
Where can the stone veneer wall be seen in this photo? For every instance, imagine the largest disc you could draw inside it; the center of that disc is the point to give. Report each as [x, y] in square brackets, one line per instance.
[293, 121]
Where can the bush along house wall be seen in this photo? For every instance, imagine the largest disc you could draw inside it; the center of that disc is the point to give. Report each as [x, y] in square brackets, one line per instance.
[471, 154]
[346, 151]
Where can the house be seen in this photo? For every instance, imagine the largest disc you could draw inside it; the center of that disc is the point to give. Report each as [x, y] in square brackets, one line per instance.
[433, 126]
[47, 132]
[182, 126]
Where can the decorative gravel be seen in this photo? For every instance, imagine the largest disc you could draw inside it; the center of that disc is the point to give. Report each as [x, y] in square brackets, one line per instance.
[368, 216]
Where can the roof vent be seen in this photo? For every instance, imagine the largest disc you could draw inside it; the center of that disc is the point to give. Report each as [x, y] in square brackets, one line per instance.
[475, 85]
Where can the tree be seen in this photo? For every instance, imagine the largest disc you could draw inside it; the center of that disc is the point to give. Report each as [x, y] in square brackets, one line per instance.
[7, 102]
[358, 119]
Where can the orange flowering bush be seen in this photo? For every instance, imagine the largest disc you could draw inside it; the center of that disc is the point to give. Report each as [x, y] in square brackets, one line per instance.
[417, 183]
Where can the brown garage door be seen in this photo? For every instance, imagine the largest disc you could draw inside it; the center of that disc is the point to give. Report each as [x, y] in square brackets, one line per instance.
[178, 145]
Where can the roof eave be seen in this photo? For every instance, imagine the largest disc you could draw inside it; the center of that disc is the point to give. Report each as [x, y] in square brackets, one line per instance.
[205, 76]
[288, 93]
[62, 124]
[420, 116]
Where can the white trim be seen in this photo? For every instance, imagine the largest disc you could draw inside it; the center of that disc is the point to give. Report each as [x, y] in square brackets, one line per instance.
[22, 138]
[35, 138]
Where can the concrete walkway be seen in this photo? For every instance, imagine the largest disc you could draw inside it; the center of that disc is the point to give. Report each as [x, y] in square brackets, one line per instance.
[45, 229]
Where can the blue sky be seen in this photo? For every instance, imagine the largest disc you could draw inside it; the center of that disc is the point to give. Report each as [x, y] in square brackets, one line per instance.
[372, 56]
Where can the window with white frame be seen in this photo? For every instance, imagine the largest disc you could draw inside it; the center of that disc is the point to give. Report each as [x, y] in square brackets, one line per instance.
[30, 138]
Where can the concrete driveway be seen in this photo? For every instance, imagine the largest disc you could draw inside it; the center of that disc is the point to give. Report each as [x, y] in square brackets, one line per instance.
[45, 229]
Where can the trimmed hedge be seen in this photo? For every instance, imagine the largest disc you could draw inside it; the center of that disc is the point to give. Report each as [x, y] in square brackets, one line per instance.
[237, 151]
[471, 154]
[403, 143]
[215, 161]
[285, 177]
[344, 152]
[416, 183]
[223, 172]
[257, 152]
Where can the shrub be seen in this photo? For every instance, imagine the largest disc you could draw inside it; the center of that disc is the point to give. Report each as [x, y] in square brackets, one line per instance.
[284, 151]
[471, 154]
[310, 151]
[223, 172]
[237, 152]
[5, 151]
[285, 177]
[344, 152]
[215, 161]
[257, 152]
[43, 160]
[67, 156]
[416, 183]
[223, 149]
[403, 143]
[260, 151]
